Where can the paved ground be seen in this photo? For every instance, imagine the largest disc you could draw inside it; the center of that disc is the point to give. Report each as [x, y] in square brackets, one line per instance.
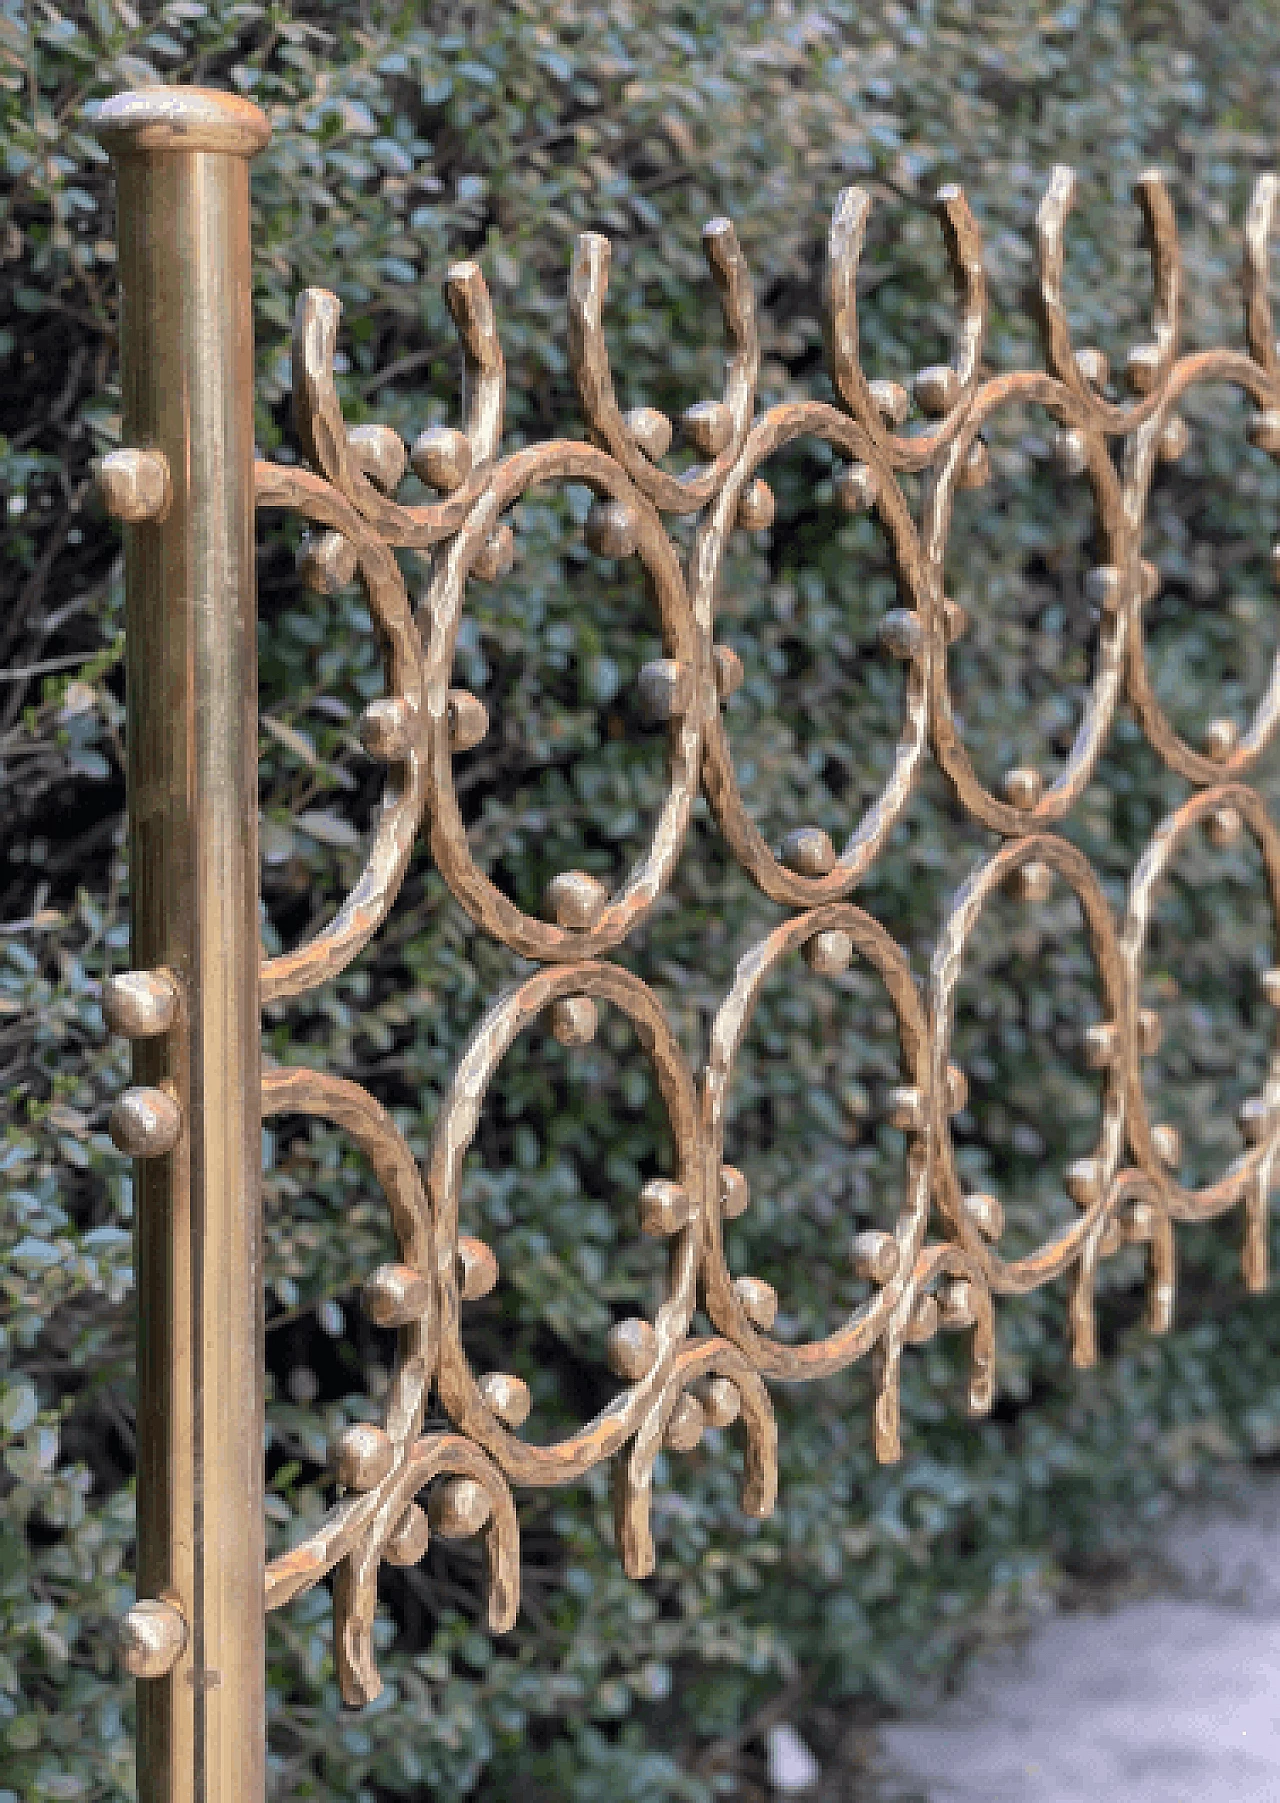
[1170, 1700]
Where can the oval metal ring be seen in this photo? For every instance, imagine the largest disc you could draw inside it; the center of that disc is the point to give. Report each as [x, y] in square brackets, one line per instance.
[404, 797]
[561, 461]
[1103, 693]
[454, 1130]
[1017, 1276]
[817, 1358]
[1212, 1198]
[779, 427]
[1140, 460]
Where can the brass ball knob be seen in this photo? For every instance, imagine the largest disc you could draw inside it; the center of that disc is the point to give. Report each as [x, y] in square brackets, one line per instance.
[327, 562]
[574, 1019]
[955, 1304]
[153, 1637]
[1104, 588]
[1071, 450]
[759, 1301]
[729, 673]
[1142, 367]
[576, 899]
[720, 1399]
[468, 720]
[441, 458]
[829, 953]
[1094, 366]
[664, 688]
[1175, 437]
[396, 1294]
[458, 1508]
[362, 1456]
[1220, 739]
[1023, 788]
[665, 1208]
[735, 1192]
[1255, 1119]
[381, 455]
[145, 1123]
[651, 430]
[975, 470]
[508, 1396]
[135, 486]
[685, 1425]
[140, 1004]
[496, 555]
[902, 635]
[1083, 1182]
[708, 427]
[477, 1268]
[612, 529]
[936, 390]
[409, 1539]
[875, 1256]
[1031, 882]
[386, 729]
[1263, 432]
[905, 1108]
[756, 506]
[808, 851]
[631, 1349]
[986, 1214]
[857, 488]
[1166, 1142]
[890, 400]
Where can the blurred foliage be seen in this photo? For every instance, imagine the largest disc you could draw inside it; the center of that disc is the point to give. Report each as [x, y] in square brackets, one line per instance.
[405, 137]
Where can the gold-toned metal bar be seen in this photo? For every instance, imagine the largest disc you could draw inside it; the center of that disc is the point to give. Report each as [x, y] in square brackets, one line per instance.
[185, 487]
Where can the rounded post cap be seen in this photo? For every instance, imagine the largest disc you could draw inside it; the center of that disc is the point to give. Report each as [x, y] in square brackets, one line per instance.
[160, 118]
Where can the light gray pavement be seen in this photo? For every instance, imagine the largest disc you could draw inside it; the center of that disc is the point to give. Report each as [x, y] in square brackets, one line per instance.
[1170, 1700]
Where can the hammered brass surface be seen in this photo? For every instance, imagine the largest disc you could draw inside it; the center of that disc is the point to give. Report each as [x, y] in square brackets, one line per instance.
[941, 1266]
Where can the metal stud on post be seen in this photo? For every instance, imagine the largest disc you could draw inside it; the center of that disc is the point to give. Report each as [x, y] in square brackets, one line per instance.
[184, 488]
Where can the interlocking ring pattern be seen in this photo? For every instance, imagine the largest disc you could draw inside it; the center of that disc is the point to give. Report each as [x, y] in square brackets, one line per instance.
[941, 1267]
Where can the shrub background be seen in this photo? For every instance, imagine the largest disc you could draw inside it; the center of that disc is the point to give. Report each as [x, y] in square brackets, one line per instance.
[405, 138]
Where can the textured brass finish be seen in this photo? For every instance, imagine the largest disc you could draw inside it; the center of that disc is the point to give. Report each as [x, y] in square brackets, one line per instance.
[187, 349]
[191, 1005]
[939, 1267]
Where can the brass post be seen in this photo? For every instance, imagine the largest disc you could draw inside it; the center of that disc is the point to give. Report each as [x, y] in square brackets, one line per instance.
[185, 487]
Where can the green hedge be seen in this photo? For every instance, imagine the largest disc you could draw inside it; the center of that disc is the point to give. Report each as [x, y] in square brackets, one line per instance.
[404, 138]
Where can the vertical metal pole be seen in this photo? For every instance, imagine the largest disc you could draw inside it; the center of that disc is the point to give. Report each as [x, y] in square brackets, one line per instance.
[193, 1121]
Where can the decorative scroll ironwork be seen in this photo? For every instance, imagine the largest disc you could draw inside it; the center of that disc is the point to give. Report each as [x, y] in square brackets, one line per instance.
[941, 1267]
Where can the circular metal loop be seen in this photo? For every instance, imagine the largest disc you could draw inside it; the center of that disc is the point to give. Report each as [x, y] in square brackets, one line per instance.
[779, 427]
[730, 1307]
[683, 643]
